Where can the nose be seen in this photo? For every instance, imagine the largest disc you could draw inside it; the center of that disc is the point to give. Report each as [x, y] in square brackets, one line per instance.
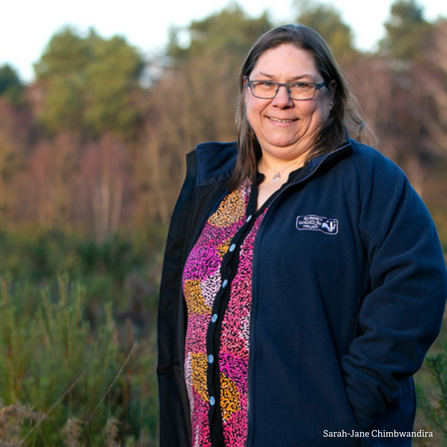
[282, 98]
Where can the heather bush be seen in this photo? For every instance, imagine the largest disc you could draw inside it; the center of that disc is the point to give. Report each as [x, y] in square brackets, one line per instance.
[92, 386]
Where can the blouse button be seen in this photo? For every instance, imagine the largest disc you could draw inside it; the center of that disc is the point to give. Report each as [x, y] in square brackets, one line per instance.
[225, 283]
[232, 247]
[214, 318]
[210, 358]
[249, 218]
[212, 401]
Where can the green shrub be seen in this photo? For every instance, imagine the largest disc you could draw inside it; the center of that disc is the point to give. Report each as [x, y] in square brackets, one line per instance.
[432, 397]
[78, 379]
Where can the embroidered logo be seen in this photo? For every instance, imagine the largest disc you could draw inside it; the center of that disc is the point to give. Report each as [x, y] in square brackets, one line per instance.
[317, 223]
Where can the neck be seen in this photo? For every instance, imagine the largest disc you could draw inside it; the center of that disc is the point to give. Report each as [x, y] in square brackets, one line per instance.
[278, 172]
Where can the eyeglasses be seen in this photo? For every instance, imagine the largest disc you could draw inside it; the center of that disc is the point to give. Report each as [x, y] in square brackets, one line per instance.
[300, 91]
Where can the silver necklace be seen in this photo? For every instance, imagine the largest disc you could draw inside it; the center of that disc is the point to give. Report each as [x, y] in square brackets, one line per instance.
[277, 174]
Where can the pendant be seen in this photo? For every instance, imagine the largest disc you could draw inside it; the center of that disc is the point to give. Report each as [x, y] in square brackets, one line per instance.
[276, 178]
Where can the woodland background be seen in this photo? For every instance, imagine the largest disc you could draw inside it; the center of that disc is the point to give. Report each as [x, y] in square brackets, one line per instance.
[91, 161]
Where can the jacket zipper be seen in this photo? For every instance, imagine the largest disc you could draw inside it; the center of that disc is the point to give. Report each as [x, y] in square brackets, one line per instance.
[257, 242]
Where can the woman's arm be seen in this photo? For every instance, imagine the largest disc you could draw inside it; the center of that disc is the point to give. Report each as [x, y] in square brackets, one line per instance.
[401, 315]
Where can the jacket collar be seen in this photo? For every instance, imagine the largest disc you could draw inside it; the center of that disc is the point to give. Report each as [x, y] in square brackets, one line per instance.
[216, 161]
[342, 151]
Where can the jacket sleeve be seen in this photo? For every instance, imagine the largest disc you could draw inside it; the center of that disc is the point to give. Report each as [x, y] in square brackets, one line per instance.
[173, 405]
[401, 315]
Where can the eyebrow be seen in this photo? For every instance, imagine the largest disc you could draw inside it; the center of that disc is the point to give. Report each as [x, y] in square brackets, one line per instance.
[295, 78]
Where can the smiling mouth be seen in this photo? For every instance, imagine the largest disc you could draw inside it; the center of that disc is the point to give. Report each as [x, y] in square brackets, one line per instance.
[283, 121]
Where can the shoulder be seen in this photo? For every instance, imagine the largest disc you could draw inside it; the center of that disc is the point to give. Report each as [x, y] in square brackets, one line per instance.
[369, 158]
[383, 189]
[373, 167]
[386, 195]
[360, 166]
[214, 161]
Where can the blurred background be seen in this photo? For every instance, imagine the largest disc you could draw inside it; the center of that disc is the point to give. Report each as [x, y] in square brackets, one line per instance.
[94, 129]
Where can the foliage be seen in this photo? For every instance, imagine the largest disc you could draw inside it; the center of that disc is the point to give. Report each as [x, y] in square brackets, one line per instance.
[11, 87]
[193, 101]
[437, 85]
[407, 31]
[62, 346]
[88, 84]
[51, 360]
[397, 110]
[228, 31]
[91, 164]
[13, 130]
[434, 405]
[109, 155]
[326, 20]
[121, 271]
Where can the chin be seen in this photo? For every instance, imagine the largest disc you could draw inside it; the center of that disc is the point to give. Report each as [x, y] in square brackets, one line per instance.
[283, 145]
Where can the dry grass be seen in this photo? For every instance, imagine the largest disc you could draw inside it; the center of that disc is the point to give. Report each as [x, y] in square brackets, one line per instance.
[112, 433]
[73, 433]
[12, 418]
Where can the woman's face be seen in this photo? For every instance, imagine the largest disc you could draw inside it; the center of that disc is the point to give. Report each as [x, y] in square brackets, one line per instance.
[286, 129]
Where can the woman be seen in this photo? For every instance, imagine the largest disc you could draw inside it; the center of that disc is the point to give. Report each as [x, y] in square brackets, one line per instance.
[303, 279]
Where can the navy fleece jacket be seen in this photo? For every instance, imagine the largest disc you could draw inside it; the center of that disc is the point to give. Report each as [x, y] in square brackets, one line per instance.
[349, 288]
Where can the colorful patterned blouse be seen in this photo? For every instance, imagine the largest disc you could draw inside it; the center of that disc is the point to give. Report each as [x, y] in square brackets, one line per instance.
[217, 290]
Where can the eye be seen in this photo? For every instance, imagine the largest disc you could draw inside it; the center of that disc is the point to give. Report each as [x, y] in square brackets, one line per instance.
[301, 85]
[266, 83]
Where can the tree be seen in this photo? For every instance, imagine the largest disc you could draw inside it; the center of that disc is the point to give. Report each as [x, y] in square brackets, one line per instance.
[326, 20]
[111, 78]
[193, 101]
[437, 84]
[88, 84]
[229, 31]
[61, 75]
[11, 87]
[10, 158]
[394, 88]
[407, 31]
[102, 184]
[49, 180]
[394, 98]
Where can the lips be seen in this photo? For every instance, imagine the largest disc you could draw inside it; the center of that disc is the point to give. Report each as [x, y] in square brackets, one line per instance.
[277, 120]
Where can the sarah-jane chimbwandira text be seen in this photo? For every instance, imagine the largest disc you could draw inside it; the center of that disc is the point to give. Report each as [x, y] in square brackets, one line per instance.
[377, 434]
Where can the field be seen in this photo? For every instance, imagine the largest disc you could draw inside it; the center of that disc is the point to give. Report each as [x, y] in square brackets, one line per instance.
[77, 339]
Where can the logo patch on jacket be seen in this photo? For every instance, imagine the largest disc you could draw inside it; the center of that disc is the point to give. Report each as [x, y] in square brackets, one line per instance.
[317, 223]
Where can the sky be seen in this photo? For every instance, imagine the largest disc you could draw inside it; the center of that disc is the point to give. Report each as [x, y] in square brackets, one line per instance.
[26, 26]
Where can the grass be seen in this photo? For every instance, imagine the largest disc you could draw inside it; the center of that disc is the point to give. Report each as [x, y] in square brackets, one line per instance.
[62, 383]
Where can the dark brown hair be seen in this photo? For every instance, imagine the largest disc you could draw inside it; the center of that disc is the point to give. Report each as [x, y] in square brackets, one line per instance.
[344, 120]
